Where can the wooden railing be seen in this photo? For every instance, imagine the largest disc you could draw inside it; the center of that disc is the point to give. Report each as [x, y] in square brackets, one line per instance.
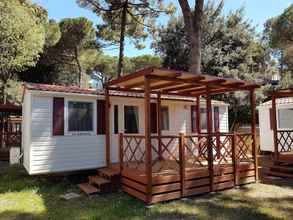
[284, 140]
[244, 147]
[165, 153]
[227, 148]
[132, 151]
[196, 150]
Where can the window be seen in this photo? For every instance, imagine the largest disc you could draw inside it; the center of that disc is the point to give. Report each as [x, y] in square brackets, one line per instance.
[131, 122]
[285, 118]
[116, 118]
[165, 118]
[80, 116]
[203, 119]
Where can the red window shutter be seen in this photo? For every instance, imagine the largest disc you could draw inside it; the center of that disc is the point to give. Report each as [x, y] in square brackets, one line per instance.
[101, 117]
[271, 118]
[216, 118]
[58, 116]
[193, 118]
[154, 117]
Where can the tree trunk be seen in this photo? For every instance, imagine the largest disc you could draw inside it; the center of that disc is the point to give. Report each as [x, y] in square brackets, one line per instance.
[195, 56]
[122, 38]
[78, 66]
[192, 21]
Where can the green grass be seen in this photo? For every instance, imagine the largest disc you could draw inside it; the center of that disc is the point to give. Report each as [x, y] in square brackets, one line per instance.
[24, 197]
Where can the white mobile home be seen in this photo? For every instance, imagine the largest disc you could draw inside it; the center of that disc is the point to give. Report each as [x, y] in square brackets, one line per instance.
[284, 116]
[64, 128]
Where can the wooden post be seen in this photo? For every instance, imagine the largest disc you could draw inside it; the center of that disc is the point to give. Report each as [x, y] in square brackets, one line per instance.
[159, 128]
[182, 162]
[121, 149]
[148, 146]
[253, 131]
[209, 138]
[107, 126]
[234, 158]
[274, 125]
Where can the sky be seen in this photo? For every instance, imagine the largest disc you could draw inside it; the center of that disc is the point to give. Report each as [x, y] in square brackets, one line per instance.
[257, 11]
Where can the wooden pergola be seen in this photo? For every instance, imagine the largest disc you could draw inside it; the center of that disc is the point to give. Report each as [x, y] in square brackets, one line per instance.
[283, 139]
[192, 165]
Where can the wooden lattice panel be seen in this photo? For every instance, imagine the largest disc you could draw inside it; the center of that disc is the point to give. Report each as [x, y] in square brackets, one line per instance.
[166, 150]
[196, 151]
[244, 151]
[285, 140]
[222, 148]
[133, 152]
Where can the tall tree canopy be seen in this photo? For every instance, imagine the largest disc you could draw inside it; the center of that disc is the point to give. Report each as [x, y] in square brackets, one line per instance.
[70, 54]
[22, 38]
[105, 70]
[125, 19]
[279, 33]
[229, 48]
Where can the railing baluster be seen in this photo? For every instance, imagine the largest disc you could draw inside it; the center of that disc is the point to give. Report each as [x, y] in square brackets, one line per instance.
[182, 162]
[121, 151]
[234, 158]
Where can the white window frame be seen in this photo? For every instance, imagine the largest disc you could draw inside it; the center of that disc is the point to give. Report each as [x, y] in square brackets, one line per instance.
[277, 116]
[66, 118]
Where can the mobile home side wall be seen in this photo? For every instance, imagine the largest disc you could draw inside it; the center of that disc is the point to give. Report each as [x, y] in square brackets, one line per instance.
[46, 153]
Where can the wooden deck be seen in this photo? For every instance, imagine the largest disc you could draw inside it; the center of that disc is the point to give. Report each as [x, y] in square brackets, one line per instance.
[168, 184]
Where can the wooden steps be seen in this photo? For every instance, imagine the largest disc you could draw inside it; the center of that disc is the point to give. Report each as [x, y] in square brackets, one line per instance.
[113, 175]
[107, 180]
[103, 184]
[288, 169]
[280, 168]
[279, 174]
[88, 188]
[4, 155]
[283, 162]
[110, 172]
[97, 180]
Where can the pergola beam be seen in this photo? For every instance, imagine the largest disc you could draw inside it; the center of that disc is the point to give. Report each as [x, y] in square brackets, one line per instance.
[191, 80]
[141, 83]
[224, 90]
[163, 85]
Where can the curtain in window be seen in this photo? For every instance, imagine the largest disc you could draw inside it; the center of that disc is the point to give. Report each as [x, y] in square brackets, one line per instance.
[203, 118]
[80, 116]
[164, 118]
[131, 119]
[216, 118]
